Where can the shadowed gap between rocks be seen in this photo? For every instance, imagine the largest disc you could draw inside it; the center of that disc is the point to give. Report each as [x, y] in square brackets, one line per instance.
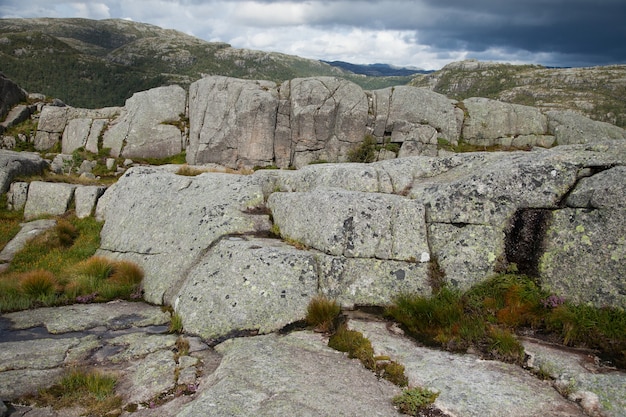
[524, 239]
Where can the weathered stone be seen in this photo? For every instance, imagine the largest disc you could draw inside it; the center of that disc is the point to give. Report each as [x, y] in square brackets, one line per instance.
[356, 225]
[409, 113]
[52, 122]
[113, 315]
[327, 118]
[86, 198]
[569, 128]
[606, 189]
[240, 285]
[13, 164]
[17, 195]
[139, 345]
[20, 382]
[86, 166]
[46, 354]
[10, 95]
[192, 213]
[290, 375]
[17, 115]
[577, 377]
[154, 375]
[463, 380]
[63, 164]
[93, 138]
[187, 371]
[75, 135]
[146, 128]
[222, 111]
[585, 256]
[48, 198]
[358, 281]
[466, 253]
[490, 192]
[488, 120]
[29, 231]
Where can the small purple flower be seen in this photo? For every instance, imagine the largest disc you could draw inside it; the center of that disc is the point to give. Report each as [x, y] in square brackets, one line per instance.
[553, 301]
[192, 387]
[88, 298]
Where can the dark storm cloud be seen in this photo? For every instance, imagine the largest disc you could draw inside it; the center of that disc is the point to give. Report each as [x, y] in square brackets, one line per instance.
[426, 33]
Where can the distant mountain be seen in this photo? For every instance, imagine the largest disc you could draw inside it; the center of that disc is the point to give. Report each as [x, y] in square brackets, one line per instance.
[377, 70]
[100, 63]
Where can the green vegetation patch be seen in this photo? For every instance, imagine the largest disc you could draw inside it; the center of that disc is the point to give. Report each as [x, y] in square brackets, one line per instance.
[92, 391]
[322, 314]
[486, 317]
[58, 267]
[413, 400]
[9, 222]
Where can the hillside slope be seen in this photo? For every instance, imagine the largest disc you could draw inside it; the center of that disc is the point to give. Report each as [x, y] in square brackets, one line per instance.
[98, 63]
[596, 92]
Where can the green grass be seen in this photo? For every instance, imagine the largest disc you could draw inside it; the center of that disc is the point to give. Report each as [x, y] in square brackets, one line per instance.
[178, 159]
[9, 222]
[92, 391]
[487, 316]
[46, 252]
[58, 267]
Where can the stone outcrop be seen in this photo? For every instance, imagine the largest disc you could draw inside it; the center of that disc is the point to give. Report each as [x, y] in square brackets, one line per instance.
[368, 232]
[147, 126]
[232, 122]
[55, 120]
[304, 120]
[10, 95]
[14, 164]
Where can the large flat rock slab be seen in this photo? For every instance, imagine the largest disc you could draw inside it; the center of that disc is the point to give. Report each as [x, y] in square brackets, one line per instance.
[292, 375]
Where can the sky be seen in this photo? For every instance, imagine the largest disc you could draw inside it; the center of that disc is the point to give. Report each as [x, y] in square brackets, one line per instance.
[426, 34]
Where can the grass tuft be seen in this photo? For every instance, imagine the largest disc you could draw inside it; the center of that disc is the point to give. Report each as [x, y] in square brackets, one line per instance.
[39, 284]
[322, 313]
[176, 324]
[58, 267]
[91, 391]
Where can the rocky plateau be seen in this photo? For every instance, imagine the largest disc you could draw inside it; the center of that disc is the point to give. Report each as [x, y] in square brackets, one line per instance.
[219, 248]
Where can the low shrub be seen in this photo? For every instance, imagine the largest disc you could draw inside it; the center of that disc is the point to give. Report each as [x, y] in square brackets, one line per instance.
[364, 152]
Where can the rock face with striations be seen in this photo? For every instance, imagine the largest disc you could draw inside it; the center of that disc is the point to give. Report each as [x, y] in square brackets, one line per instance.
[247, 123]
[147, 125]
